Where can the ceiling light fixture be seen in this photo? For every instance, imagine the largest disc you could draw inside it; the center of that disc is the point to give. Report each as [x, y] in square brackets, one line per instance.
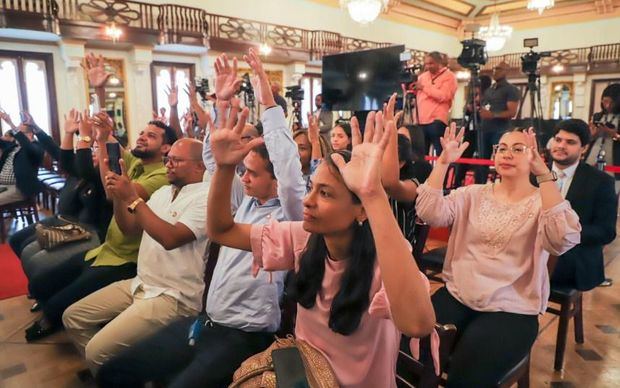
[540, 5]
[264, 49]
[113, 32]
[495, 34]
[364, 11]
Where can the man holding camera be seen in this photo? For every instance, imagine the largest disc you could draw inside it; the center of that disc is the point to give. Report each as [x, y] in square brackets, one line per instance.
[435, 88]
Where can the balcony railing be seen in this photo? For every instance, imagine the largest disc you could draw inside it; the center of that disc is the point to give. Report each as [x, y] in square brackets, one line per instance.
[152, 24]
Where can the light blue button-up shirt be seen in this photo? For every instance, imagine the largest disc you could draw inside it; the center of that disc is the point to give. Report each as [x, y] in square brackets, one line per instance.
[237, 299]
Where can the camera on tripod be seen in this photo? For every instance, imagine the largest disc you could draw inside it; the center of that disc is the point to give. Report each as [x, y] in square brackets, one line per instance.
[202, 87]
[529, 61]
[295, 93]
[246, 85]
[474, 54]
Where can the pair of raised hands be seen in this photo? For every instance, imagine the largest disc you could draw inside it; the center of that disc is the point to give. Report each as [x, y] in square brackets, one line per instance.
[453, 148]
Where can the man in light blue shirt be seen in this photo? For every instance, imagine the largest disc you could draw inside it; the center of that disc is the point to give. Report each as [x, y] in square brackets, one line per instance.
[242, 311]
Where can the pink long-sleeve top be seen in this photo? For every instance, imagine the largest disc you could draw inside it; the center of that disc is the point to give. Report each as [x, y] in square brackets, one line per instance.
[497, 252]
[365, 358]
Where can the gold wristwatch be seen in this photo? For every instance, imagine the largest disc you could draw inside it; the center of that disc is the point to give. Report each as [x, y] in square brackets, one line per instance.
[86, 139]
[132, 207]
[550, 176]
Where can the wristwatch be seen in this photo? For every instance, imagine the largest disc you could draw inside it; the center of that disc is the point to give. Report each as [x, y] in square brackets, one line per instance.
[86, 139]
[550, 176]
[132, 207]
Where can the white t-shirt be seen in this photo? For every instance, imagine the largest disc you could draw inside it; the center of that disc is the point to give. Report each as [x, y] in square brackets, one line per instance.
[178, 272]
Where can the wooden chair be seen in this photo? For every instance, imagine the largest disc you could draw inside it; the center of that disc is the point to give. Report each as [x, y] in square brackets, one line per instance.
[421, 374]
[26, 209]
[571, 306]
[431, 262]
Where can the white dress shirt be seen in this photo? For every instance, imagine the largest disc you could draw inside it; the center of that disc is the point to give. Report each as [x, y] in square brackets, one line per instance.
[565, 177]
[178, 272]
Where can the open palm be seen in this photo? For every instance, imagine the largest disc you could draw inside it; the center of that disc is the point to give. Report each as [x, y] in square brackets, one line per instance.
[362, 174]
[95, 70]
[226, 81]
[226, 145]
[452, 144]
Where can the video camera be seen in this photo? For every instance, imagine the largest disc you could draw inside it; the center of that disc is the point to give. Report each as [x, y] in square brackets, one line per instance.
[529, 61]
[202, 87]
[246, 85]
[295, 93]
[474, 54]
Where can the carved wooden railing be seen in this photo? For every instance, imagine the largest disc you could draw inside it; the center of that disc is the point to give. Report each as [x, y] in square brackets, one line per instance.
[166, 23]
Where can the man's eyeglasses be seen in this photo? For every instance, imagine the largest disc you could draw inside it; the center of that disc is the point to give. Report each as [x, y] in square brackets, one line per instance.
[175, 161]
[517, 149]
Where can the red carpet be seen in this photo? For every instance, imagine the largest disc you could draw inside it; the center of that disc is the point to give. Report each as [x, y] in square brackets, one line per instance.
[13, 282]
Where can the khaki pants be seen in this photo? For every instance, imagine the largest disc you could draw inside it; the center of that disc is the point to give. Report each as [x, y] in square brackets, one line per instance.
[10, 195]
[131, 318]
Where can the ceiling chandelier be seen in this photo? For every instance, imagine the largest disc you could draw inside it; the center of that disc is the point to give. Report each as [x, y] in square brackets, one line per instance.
[364, 11]
[495, 34]
[540, 5]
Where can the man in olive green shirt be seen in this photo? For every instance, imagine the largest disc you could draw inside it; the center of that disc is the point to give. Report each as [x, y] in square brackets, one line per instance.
[116, 258]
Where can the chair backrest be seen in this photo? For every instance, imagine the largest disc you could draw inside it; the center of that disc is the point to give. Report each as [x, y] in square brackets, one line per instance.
[421, 373]
[211, 254]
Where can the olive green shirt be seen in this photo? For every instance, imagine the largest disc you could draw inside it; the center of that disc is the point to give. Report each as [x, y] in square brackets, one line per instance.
[119, 248]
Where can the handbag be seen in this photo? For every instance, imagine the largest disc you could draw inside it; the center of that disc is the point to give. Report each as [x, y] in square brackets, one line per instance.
[258, 371]
[50, 237]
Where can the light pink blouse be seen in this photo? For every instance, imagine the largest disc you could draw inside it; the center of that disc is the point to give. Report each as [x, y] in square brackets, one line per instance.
[366, 358]
[497, 252]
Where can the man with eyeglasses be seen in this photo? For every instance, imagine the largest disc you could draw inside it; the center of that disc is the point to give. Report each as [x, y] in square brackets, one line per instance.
[169, 283]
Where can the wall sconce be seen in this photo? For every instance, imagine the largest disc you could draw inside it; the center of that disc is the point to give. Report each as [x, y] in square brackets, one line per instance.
[113, 32]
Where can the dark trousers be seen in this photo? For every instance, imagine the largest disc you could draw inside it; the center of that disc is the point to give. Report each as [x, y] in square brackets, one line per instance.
[489, 344]
[72, 280]
[461, 169]
[489, 139]
[432, 133]
[167, 355]
[20, 239]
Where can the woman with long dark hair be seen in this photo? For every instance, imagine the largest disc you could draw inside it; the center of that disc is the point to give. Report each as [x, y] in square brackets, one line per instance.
[357, 285]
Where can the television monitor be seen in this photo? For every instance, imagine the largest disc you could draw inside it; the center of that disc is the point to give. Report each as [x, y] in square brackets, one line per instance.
[361, 80]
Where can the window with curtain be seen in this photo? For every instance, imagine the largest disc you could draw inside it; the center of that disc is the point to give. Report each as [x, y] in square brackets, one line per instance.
[27, 84]
[161, 80]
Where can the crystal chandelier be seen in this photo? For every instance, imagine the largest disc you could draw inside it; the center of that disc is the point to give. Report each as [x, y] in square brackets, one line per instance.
[495, 34]
[364, 11]
[113, 32]
[540, 5]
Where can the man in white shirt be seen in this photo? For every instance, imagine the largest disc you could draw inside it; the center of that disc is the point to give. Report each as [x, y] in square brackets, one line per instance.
[169, 283]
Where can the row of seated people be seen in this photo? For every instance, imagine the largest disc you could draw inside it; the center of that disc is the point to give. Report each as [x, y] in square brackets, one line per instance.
[356, 284]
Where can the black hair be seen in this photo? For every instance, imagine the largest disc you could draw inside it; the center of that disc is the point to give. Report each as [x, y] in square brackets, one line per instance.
[170, 136]
[261, 150]
[259, 128]
[346, 127]
[613, 91]
[405, 153]
[576, 127]
[437, 57]
[353, 296]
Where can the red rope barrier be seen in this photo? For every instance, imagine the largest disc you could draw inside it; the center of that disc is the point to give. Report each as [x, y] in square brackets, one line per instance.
[488, 162]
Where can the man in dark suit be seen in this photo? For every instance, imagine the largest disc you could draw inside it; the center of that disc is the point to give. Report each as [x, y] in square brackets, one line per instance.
[592, 195]
[19, 163]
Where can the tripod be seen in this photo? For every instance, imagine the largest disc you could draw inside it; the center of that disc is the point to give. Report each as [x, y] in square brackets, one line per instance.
[536, 113]
[250, 101]
[296, 116]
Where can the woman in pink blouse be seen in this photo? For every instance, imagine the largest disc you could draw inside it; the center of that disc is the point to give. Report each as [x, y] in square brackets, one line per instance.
[496, 264]
[357, 284]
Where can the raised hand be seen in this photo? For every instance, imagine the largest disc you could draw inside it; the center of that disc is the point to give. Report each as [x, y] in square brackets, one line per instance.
[313, 129]
[86, 124]
[452, 144]
[5, 116]
[188, 123]
[95, 70]
[173, 90]
[362, 174]
[537, 163]
[28, 120]
[119, 186]
[72, 122]
[259, 79]
[226, 80]
[102, 123]
[226, 144]
[203, 117]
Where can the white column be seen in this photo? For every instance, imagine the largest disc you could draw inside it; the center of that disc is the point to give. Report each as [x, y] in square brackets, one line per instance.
[580, 110]
[139, 101]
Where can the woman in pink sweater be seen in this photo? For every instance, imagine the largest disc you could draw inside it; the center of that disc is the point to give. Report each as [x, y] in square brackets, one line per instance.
[357, 284]
[496, 263]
